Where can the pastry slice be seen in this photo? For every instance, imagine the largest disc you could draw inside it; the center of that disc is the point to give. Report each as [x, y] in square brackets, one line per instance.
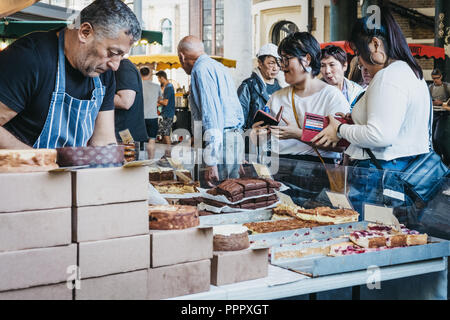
[368, 239]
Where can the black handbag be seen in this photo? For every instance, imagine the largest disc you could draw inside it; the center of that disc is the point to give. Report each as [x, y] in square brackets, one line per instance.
[423, 176]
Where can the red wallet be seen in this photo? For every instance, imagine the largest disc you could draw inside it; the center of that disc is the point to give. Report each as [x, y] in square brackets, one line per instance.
[314, 124]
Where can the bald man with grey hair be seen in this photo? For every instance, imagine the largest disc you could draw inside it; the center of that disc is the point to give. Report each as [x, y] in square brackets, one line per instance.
[215, 104]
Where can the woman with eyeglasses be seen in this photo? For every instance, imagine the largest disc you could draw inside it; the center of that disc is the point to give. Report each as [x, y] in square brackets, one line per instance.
[333, 66]
[300, 61]
[391, 119]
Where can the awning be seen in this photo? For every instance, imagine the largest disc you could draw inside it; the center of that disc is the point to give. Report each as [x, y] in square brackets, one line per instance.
[171, 61]
[8, 7]
[418, 50]
[151, 37]
[10, 29]
[429, 52]
[17, 29]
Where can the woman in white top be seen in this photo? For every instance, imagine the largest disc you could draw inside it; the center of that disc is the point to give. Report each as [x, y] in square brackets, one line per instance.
[300, 61]
[392, 118]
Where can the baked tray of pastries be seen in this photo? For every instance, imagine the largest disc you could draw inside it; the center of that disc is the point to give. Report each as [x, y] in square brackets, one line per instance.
[367, 245]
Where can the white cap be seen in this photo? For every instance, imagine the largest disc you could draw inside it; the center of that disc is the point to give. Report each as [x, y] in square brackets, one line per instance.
[268, 50]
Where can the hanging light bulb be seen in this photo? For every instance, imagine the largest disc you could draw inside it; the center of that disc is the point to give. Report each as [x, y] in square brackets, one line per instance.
[3, 45]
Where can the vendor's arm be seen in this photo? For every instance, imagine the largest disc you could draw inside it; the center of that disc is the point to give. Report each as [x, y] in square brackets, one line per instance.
[104, 130]
[7, 140]
[124, 99]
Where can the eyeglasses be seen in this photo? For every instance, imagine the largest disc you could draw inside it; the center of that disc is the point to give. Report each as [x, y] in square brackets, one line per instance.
[285, 60]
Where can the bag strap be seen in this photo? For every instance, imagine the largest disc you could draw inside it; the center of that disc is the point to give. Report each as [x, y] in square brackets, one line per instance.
[295, 110]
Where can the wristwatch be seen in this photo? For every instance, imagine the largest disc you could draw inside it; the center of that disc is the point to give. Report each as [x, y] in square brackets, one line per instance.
[338, 133]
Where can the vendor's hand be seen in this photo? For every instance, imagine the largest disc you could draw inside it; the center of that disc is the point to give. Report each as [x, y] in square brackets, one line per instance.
[259, 130]
[446, 107]
[211, 176]
[290, 131]
[328, 136]
[242, 170]
[437, 103]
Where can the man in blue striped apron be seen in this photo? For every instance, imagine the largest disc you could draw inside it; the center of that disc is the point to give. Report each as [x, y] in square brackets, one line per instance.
[57, 88]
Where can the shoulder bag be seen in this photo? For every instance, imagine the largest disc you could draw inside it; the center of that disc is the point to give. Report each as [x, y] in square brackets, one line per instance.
[423, 176]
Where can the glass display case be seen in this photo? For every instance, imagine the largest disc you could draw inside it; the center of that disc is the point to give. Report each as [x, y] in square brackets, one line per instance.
[309, 182]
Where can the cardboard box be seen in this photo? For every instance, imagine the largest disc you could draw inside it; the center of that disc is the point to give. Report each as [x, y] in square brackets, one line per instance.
[179, 280]
[124, 286]
[35, 229]
[107, 257]
[34, 191]
[51, 292]
[109, 185]
[180, 246]
[238, 266]
[110, 221]
[36, 267]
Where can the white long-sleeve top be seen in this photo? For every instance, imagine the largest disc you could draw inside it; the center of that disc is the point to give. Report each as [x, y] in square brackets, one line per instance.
[327, 101]
[392, 119]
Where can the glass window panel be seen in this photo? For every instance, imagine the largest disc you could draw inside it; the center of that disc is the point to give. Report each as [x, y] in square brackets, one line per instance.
[207, 4]
[219, 16]
[207, 17]
[166, 29]
[207, 33]
[208, 47]
[219, 4]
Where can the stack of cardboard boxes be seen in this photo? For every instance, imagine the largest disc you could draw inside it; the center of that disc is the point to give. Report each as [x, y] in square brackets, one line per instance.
[110, 227]
[84, 235]
[36, 250]
[180, 262]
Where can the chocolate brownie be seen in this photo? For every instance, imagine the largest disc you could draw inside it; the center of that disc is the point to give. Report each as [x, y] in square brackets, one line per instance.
[248, 206]
[255, 193]
[214, 203]
[272, 183]
[237, 198]
[262, 199]
[260, 205]
[252, 184]
[190, 202]
[230, 188]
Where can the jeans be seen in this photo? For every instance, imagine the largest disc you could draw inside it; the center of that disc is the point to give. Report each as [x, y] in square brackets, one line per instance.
[233, 155]
[368, 185]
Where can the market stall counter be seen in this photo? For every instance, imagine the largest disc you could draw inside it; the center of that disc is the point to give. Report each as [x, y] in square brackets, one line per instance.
[283, 229]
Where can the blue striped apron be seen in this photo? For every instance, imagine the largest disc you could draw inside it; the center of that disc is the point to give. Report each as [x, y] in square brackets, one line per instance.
[70, 122]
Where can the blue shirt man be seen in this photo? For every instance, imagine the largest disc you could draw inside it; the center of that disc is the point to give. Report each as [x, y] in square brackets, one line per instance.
[168, 109]
[169, 94]
[214, 102]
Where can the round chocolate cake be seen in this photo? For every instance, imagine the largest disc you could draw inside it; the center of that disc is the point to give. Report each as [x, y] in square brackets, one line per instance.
[108, 156]
[230, 238]
[173, 217]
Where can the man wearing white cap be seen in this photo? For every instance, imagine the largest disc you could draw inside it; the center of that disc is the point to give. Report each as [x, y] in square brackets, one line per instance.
[255, 91]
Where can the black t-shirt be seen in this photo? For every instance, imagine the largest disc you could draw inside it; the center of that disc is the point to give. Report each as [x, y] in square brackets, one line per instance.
[28, 69]
[272, 88]
[129, 78]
